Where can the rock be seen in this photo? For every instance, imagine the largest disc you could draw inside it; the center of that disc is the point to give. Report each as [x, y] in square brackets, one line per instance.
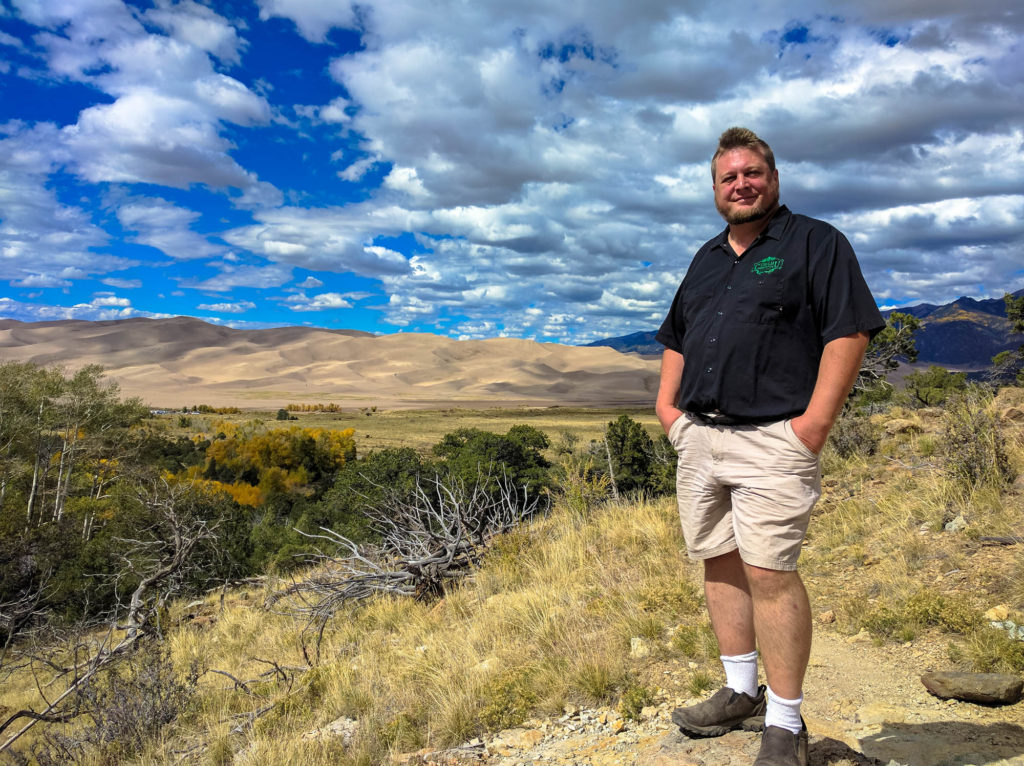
[986, 688]
[959, 524]
[1012, 413]
[827, 618]
[1015, 631]
[902, 426]
[638, 648]
[345, 728]
[861, 638]
[998, 613]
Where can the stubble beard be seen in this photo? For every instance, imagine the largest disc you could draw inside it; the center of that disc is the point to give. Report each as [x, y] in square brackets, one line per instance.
[735, 217]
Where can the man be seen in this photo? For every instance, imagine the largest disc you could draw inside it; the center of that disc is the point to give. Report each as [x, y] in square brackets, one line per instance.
[763, 342]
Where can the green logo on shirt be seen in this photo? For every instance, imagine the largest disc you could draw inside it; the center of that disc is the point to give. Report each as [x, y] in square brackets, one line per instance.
[767, 265]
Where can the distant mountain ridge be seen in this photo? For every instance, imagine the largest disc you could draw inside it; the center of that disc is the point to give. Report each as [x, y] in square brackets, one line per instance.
[965, 333]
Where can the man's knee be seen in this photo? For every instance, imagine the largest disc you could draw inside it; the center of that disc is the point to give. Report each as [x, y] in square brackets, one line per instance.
[770, 584]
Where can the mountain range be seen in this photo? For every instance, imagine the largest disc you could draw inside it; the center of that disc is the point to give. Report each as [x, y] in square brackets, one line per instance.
[964, 334]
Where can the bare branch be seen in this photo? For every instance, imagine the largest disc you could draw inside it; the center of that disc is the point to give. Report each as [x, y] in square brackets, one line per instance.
[427, 538]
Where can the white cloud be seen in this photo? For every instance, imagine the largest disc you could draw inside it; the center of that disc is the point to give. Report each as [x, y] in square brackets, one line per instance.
[122, 284]
[103, 300]
[321, 302]
[314, 18]
[243, 275]
[546, 156]
[39, 312]
[239, 307]
[199, 26]
[165, 226]
[309, 283]
[164, 126]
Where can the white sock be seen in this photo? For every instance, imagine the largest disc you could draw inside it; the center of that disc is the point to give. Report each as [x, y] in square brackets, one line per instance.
[783, 713]
[741, 672]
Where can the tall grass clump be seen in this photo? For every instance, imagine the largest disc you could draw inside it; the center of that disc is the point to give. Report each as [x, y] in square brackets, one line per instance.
[974, 446]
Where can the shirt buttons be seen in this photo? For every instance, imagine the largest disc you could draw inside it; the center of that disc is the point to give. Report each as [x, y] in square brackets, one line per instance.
[728, 287]
[712, 340]
[708, 370]
[719, 313]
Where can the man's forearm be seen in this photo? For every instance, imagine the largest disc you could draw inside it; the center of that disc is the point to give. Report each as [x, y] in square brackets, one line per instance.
[840, 363]
[666, 405]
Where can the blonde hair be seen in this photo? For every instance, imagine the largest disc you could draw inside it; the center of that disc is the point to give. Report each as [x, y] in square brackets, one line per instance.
[742, 138]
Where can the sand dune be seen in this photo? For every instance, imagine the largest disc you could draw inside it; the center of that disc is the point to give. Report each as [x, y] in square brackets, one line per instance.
[184, 361]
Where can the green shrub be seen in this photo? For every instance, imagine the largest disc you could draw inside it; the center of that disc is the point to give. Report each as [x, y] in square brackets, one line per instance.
[508, 699]
[853, 436]
[634, 699]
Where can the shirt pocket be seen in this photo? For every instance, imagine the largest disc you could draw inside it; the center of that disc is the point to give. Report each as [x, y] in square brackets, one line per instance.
[762, 302]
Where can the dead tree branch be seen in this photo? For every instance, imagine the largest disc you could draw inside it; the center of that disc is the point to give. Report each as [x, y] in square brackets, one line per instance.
[432, 536]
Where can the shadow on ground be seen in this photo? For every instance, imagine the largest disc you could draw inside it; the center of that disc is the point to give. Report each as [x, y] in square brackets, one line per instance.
[825, 751]
[945, 743]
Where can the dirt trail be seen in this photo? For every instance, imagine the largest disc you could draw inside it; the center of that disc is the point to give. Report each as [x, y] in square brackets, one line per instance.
[865, 706]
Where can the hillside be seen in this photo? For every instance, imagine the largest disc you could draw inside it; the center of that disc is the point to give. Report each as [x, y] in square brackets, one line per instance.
[964, 334]
[183, 361]
[578, 633]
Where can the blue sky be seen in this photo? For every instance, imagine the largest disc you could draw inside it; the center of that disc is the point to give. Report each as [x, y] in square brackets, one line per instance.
[481, 169]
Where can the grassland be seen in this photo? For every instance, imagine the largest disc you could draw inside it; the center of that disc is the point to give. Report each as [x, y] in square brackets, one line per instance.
[551, 615]
[420, 429]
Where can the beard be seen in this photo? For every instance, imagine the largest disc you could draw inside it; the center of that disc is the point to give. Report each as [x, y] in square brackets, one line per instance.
[768, 204]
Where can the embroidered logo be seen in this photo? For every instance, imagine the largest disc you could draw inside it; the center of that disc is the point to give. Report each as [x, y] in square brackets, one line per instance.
[767, 265]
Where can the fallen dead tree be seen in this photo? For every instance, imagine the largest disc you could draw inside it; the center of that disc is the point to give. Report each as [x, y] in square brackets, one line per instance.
[425, 539]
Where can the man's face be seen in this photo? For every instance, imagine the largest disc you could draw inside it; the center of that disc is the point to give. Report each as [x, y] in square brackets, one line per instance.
[745, 189]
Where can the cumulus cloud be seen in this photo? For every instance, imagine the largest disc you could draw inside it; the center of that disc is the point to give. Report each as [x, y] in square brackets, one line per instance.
[109, 300]
[321, 302]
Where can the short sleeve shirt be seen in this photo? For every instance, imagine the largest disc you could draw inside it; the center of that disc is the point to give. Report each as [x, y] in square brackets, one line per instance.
[752, 328]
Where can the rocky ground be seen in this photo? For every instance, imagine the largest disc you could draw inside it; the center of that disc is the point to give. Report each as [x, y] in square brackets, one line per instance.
[865, 705]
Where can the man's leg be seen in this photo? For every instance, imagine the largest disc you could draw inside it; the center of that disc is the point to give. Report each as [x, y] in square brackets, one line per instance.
[782, 617]
[782, 622]
[730, 606]
[741, 703]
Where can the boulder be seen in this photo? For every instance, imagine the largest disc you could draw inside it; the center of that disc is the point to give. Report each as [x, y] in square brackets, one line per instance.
[986, 688]
[903, 426]
[1012, 413]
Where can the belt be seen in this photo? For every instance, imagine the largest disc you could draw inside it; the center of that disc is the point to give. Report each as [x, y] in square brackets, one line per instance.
[719, 419]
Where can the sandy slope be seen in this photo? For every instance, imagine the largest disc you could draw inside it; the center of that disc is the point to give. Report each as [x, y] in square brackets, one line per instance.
[183, 361]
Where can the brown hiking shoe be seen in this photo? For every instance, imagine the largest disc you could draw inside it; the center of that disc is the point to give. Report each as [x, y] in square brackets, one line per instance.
[781, 747]
[724, 711]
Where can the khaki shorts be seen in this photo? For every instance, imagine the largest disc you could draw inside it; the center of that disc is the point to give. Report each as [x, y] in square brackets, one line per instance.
[749, 488]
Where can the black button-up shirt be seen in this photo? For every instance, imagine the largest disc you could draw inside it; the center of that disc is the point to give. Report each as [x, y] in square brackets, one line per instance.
[751, 329]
